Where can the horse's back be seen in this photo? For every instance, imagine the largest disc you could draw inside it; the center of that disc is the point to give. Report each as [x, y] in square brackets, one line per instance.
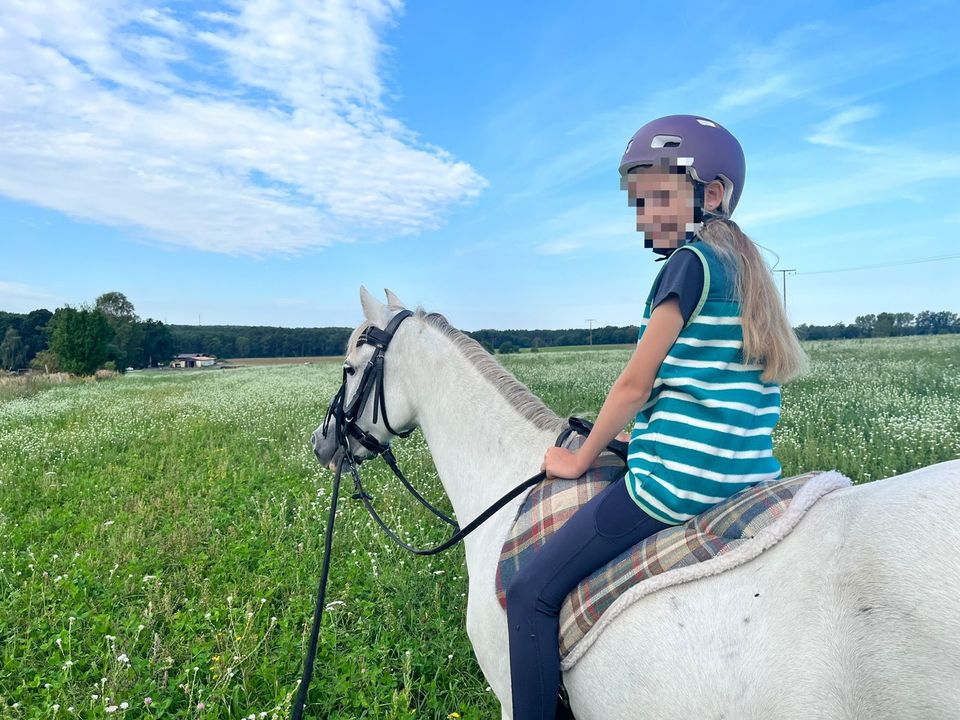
[855, 614]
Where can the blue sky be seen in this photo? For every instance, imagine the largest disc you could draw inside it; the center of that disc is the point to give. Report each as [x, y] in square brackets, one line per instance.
[256, 162]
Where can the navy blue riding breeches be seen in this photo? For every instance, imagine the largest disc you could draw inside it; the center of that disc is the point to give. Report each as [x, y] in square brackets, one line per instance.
[599, 531]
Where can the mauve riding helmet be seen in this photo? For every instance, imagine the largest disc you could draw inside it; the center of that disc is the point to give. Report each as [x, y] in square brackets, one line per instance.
[706, 149]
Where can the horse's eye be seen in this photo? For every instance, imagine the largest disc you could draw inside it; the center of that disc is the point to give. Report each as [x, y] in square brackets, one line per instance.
[349, 369]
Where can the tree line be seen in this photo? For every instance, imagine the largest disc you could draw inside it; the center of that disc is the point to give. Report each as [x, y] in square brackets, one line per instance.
[885, 324]
[242, 341]
[110, 334]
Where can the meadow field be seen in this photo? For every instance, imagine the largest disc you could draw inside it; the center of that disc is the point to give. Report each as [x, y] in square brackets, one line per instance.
[161, 534]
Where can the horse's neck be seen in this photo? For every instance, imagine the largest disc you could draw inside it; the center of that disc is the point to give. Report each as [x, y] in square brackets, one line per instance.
[481, 445]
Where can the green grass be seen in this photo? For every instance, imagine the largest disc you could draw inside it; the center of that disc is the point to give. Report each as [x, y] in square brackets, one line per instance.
[24, 386]
[167, 529]
[583, 348]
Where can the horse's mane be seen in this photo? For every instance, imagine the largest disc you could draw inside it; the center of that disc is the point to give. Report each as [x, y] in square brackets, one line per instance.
[514, 392]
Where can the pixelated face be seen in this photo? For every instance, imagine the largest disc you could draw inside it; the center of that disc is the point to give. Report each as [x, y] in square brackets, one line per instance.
[664, 198]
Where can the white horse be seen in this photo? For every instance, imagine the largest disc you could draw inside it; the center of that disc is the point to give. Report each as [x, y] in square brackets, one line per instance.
[855, 614]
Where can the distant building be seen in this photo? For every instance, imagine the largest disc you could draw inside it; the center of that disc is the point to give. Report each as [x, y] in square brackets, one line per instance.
[189, 360]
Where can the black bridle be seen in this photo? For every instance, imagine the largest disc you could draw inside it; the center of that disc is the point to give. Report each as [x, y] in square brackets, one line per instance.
[345, 426]
[345, 419]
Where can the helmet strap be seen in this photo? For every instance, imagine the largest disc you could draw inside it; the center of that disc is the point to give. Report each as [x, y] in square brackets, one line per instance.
[700, 214]
[699, 190]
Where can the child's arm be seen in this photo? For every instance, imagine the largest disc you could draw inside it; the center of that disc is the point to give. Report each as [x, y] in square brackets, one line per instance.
[627, 395]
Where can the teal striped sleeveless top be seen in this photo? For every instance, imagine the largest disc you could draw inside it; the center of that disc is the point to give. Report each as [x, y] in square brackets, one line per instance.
[704, 433]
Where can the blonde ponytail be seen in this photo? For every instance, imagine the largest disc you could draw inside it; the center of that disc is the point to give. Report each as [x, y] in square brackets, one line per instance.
[768, 338]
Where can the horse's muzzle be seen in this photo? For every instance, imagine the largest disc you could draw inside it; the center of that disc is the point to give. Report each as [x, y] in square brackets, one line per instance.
[326, 448]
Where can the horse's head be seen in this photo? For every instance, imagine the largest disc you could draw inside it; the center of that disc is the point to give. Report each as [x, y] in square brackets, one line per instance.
[358, 413]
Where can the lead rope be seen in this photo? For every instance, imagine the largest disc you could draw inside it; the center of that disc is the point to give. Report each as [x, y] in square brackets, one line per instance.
[297, 711]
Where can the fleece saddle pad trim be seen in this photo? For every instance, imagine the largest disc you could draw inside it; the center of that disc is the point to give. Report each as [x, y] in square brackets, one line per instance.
[727, 535]
[812, 490]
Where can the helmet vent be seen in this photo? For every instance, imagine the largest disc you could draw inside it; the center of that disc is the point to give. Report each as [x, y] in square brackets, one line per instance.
[668, 141]
[708, 123]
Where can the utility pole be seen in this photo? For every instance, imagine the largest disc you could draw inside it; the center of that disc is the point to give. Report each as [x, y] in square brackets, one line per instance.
[591, 321]
[785, 285]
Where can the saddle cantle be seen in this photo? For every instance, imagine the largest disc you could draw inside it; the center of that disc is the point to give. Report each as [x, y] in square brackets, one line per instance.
[749, 522]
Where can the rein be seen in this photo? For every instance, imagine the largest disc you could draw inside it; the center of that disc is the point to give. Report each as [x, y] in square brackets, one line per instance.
[345, 427]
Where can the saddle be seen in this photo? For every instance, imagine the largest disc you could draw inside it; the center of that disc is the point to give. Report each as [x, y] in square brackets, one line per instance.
[727, 535]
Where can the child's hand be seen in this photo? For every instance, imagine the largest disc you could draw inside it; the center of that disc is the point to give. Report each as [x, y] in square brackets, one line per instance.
[623, 437]
[561, 463]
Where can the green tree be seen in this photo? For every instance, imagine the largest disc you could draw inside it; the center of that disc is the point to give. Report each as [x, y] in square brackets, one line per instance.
[865, 324]
[46, 361]
[157, 343]
[116, 305]
[507, 347]
[13, 352]
[902, 323]
[945, 321]
[35, 332]
[80, 339]
[884, 325]
[126, 347]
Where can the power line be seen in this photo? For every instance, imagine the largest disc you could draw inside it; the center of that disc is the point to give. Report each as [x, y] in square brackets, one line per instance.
[883, 265]
[591, 321]
[784, 272]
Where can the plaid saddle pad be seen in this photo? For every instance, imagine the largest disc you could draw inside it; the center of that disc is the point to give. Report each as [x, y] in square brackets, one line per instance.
[717, 531]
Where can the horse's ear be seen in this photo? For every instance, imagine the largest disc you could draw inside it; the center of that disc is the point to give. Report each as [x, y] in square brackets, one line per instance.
[393, 299]
[373, 309]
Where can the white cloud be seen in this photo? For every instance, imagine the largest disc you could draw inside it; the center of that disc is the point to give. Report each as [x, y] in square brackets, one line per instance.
[558, 247]
[872, 181]
[246, 131]
[777, 86]
[833, 133]
[589, 226]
